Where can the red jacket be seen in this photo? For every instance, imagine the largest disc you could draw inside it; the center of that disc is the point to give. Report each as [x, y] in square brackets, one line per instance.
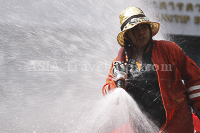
[173, 66]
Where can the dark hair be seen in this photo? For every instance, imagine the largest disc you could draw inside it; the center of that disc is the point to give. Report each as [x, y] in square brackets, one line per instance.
[150, 41]
[150, 30]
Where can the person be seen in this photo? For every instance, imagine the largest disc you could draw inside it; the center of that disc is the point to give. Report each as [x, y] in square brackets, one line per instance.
[158, 75]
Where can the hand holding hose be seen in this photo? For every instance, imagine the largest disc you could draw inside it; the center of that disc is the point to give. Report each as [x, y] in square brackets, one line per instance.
[106, 89]
[119, 72]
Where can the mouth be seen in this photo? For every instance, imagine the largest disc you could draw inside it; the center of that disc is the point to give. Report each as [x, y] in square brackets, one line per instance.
[141, 38]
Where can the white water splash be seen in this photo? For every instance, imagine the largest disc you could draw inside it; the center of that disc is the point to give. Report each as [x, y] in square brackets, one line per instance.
[113, 111]
[39, 40]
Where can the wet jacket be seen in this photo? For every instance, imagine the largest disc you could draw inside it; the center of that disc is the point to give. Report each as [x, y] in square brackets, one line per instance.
[173, 67]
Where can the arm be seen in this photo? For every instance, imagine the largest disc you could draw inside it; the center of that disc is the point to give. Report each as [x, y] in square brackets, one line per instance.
[190, 73]
[110, 84]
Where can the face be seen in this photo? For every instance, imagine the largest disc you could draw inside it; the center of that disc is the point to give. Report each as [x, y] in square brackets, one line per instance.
[138, 36]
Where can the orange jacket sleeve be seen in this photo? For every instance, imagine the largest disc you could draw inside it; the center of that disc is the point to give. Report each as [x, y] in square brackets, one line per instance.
[190, 73]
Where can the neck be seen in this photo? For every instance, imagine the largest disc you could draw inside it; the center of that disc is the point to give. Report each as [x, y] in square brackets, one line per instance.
[137, 53]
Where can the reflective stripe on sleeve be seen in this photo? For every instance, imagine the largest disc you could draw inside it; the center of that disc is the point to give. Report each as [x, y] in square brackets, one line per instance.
[191, 96]
[194, 88]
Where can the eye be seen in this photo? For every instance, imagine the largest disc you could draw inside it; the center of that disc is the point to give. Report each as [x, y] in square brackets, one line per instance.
[144, 26]
[134, 29]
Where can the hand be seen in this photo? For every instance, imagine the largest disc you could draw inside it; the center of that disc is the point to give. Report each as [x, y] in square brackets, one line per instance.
[105, 89]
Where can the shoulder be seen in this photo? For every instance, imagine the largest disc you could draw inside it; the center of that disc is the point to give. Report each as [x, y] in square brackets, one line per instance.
[167, 45]
[164, 43]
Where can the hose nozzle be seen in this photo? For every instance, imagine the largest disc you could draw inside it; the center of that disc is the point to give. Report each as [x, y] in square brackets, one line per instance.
[119, 72]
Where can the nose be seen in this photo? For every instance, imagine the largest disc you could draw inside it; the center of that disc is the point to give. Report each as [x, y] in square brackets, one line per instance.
[140, 31]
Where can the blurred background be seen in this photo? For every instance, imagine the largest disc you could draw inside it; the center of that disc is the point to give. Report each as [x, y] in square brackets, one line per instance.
[55, 56]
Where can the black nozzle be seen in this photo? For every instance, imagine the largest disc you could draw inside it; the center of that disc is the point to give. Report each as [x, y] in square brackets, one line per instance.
[120, 83]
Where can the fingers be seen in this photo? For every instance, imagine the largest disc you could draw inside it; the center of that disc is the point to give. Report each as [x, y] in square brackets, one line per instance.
[106, 89]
